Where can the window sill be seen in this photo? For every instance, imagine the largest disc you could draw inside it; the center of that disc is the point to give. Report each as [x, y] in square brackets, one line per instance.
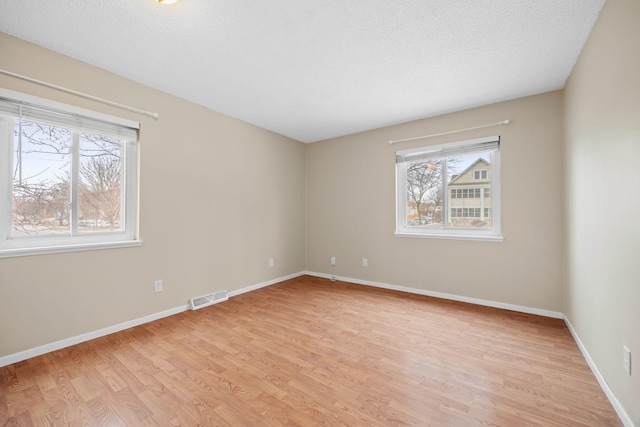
[453, 237]
[78, 247]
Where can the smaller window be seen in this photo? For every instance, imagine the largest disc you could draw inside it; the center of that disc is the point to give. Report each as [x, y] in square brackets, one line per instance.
[480, 174]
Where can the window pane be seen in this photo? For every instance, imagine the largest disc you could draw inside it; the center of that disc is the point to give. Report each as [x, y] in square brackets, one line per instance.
[424, 193]
[463, 176]
[40, 181]
[100, 183]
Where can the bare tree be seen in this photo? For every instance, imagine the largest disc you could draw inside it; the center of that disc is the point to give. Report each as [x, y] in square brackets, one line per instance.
[59, 200]
[424, 183]
[100, 178]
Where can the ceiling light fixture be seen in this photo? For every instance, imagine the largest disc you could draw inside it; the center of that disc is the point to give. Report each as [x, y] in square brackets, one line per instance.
[167, 1]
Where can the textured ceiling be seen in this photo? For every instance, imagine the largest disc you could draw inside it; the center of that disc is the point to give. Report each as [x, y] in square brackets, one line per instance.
[312, 70]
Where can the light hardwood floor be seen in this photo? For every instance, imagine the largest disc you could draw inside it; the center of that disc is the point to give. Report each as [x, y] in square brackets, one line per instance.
[310, 352]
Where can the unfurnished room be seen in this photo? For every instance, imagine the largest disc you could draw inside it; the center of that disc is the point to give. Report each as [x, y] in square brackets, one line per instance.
[339, 213]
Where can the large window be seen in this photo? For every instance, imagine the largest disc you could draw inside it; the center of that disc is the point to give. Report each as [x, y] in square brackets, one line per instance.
[68, 177]
[450, 190]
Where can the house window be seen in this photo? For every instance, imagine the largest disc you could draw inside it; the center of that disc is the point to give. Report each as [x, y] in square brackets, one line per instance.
[480, 174]
[68, 177]
[466, 193]
[438, 194]
[469, 212]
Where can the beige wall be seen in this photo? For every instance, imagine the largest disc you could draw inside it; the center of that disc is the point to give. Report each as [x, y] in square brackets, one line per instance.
[351, 209]
[603, 204]
[219, 197]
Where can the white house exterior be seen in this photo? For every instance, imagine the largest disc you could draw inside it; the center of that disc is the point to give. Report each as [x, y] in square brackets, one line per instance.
[469, 197]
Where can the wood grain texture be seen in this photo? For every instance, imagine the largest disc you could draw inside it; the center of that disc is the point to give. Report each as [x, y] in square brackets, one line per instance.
[310, 352]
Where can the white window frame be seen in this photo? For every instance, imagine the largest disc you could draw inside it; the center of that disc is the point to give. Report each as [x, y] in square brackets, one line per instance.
[37, 245]
[444, 151]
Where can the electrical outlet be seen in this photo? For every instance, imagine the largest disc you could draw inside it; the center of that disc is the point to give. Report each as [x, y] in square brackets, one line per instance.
[365, 262]
[626, 359]
[271, 262]
[333, 260]
[158, 285]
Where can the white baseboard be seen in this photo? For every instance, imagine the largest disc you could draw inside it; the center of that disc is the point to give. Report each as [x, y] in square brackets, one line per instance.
[47, 348]
[67, 342]
[488, 303]
[622, 414]
[265, 284]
